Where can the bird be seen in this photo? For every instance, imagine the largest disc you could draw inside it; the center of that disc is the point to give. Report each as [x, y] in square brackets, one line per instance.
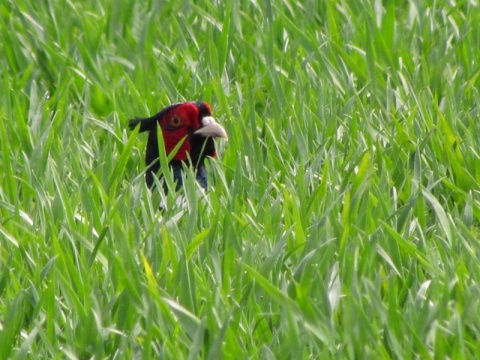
[190, 122]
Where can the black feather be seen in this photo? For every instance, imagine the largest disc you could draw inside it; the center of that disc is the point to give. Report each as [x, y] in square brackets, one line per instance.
[145, 123]
[201, 148]
[202, 108]
[152, 157]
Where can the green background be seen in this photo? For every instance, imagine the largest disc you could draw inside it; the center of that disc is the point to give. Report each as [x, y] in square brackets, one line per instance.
[342, 219]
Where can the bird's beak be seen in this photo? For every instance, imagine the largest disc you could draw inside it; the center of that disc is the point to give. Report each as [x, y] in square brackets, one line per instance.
[211, 128]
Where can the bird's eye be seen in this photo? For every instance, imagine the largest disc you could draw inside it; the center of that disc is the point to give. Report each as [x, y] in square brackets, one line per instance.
[175, 121]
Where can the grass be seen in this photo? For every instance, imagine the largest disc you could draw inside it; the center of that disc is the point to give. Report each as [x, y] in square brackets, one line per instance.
[343, 216]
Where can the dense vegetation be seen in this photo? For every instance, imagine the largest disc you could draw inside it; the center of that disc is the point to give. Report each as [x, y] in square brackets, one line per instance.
[343, 216]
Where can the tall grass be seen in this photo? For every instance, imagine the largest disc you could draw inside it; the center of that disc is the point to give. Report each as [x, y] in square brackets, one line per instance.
[342, 219]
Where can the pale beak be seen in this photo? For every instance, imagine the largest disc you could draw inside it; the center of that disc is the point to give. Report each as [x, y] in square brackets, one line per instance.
[211, 128]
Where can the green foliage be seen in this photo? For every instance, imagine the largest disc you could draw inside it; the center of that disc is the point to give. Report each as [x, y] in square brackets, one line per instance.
[343, 220]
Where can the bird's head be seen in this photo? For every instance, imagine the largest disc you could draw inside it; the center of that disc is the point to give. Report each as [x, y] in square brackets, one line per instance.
[193, 122]
[190, 122]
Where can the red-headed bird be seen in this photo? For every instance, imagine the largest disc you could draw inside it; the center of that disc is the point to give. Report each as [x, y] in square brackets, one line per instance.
[191, 121]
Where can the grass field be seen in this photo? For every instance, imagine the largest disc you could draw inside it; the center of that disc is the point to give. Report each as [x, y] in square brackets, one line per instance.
[343, 215]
